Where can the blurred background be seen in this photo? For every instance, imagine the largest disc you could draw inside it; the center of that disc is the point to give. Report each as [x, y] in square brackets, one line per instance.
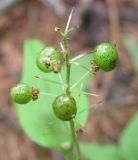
[95, 21]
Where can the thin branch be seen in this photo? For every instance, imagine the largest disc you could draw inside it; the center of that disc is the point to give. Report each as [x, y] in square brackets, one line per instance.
[48, 94]
[61, 80]
[82, 66]
[79, 92]
[78, 57]
[87, 93]
[50, 81]
[114, 21]
[73, 86]
[61, 45]
[94, 106]
[69, 20]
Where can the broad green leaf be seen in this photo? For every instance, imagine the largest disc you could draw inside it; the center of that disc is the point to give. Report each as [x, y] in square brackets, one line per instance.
[129, 140]
[37, 118]
[99, 152]
[132, 46]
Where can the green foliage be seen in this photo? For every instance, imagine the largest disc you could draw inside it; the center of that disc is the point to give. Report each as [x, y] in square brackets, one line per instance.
[42, 126]
[37, 118]
[129, 140]
[127, 149]
[99, 152]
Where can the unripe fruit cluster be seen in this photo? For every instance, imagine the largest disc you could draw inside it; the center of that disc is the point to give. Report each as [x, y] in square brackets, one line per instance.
[49, 60]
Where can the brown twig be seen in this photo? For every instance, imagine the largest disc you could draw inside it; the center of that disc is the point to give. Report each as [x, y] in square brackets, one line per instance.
[113, 21]
[115, 36]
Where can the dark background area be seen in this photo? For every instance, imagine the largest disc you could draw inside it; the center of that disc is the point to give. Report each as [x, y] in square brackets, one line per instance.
[95, 21]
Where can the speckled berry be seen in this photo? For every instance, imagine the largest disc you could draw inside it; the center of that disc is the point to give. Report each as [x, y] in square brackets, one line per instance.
[21, 93]
[47, 57]
[64, 107]
[106, 56]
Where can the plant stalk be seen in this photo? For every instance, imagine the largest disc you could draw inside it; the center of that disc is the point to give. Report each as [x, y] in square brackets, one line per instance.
[67, 61]
[68, 68]
[74, 138]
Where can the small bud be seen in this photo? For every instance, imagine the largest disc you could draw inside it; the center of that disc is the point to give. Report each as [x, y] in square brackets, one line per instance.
[79, 129]
[35, 92]
[95, 67]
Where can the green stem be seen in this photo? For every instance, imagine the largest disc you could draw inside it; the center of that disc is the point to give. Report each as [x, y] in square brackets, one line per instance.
[67, 61]
[74, 138]
[69, 154]
[68, 67]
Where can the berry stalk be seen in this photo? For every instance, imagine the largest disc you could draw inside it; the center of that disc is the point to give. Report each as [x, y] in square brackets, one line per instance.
[74, 138]
[67, 61]
[68, 67]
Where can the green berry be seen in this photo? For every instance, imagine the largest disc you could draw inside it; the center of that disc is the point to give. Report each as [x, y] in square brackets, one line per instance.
[48, 56]
[106, 56]
[64, 107]
[21, 93]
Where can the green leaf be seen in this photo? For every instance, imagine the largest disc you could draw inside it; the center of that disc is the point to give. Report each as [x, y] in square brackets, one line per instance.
[129, 140]
[37, 118]
[99, 152]
[132, 46]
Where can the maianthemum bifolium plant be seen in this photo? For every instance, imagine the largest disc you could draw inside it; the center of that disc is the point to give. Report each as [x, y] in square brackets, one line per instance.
[57, 84]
